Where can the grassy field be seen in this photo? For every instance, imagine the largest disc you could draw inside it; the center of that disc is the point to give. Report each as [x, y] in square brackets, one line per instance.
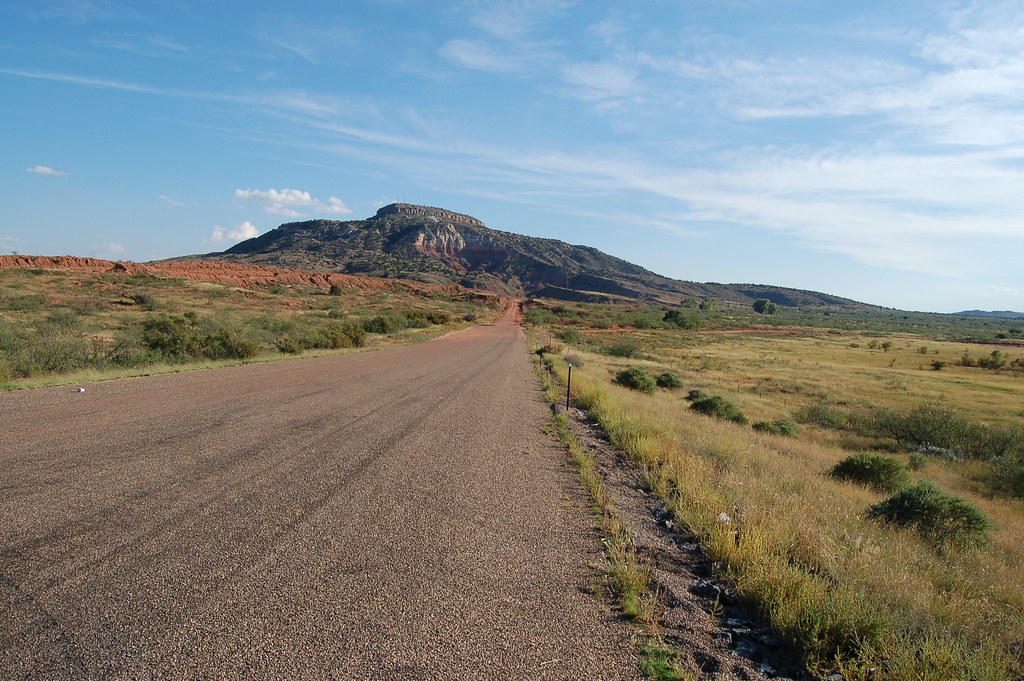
[857, 595]
[60, 326]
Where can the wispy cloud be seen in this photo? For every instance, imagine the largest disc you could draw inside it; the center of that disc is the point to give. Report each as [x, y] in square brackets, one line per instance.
[113, 248]
[244, 231]
[473, 54]
[290, 202]
[45, 170]
[169, 201]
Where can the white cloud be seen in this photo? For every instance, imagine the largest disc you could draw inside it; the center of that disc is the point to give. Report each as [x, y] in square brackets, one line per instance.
[471, 54]
[244, 231]
[113, 248]
[290, 202]
[45, 170]
[1006, 290]
[600, 80]
[169, 201]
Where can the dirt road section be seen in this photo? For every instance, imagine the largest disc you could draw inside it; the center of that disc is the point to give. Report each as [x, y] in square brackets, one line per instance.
[390, 515]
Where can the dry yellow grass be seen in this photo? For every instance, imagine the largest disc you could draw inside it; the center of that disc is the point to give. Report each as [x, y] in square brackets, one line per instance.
[854, 595]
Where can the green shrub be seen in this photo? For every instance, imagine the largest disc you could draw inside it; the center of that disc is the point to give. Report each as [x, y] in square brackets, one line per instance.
[821, 415]
[335, 290]
[696, 394]
[6, 375]
[878, 471]
[289, 343]
[571, 335]
[173, 336]
[669, 380]
[719, 407]
[637, 378]
[417, 319]
[438, 317]
[626, 348]
[537, 315]
[229, 343]
[336, 313]
[941, 518]
[384, 324]
[917, 461]
[1008, 473]
[783, 427]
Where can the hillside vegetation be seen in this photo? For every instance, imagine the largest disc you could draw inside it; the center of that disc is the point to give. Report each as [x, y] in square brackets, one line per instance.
[438, 246]
[871, 465]
[89, 319]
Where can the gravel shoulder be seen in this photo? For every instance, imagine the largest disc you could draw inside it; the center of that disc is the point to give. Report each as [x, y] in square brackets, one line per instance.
[387, 515]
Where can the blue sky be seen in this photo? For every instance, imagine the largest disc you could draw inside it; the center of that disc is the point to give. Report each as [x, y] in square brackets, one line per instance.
[873, 150]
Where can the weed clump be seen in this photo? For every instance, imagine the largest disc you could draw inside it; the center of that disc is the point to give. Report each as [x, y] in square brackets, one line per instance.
[941, 518]
[783, 427]
[719, 407]
[878, 471]
[637, 378]
[669, 380]
[821, 415]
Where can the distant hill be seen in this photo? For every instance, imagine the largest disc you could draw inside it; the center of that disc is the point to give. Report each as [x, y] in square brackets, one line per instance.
[437, 246]
[1004, 314]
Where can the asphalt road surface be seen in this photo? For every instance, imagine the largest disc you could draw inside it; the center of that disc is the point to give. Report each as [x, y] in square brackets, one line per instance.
[384, 515]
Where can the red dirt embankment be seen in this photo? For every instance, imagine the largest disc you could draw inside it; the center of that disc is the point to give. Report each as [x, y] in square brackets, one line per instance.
[231, 274]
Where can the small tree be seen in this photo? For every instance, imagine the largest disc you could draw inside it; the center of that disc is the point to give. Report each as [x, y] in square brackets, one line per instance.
[765, 306]
[707, 305]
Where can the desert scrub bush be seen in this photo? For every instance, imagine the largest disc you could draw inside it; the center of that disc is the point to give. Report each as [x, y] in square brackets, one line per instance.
[174, 336]
[696, 394]
[230, 343]
[384, 324]
[783, 427]
[941, 518]
[334, 335]
[719, 407]
[571, 336]
[1007, 472]
[6, 375]
[549, 349]
[626, 348]
[878, 471]
[637, 378]
[289, 343]
[821, 415]
[669, 380]
[417, 319]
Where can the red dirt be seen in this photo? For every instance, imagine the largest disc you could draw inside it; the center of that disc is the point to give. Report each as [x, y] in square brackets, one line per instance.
[231, 274]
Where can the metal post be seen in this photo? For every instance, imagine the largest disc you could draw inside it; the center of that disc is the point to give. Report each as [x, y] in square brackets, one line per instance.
[568, 387]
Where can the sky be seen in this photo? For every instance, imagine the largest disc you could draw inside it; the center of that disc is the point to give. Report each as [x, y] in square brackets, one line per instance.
[871, 149]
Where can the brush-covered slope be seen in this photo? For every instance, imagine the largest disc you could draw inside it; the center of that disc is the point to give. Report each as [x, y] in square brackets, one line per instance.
[442, 247]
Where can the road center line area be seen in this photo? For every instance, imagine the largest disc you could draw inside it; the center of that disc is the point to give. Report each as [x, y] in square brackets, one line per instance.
[383, 515]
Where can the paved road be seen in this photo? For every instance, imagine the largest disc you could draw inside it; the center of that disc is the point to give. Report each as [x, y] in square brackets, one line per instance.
[387, 515]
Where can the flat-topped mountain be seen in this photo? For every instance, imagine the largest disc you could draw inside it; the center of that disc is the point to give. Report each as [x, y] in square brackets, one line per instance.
[438, 246]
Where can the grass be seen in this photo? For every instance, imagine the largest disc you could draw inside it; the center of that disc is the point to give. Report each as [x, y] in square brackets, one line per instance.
[852, 594]
[628, 578]
[59, 327]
